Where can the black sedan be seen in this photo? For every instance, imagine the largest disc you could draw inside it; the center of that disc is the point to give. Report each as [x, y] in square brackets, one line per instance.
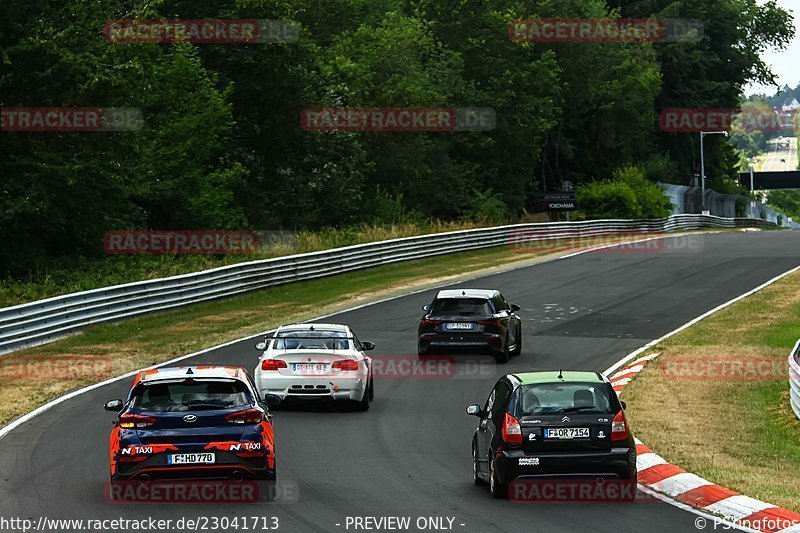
[471, 319]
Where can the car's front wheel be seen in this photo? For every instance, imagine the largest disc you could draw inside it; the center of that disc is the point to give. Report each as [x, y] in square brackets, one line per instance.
[518, 347]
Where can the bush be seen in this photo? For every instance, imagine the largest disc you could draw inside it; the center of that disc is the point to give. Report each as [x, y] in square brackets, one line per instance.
[653, 203]
[386, 208]
[607, 199]
[487, 206]
[628, 195]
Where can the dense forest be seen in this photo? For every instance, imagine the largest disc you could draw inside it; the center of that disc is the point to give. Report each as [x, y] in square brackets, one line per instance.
[221, 144]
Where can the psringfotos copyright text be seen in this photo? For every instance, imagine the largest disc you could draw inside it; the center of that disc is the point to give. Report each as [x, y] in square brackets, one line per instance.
[759, 524]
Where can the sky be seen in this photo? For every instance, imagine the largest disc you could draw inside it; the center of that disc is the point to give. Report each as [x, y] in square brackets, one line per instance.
[785, 63]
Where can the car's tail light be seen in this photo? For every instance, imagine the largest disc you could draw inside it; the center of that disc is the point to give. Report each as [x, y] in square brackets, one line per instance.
[131, 458]
[272, 364]
[493, 322]
[512, 433]
[430, 323]
[619, 427]
[130, 420]
[345, 364]
[248, 416]
[249, 454]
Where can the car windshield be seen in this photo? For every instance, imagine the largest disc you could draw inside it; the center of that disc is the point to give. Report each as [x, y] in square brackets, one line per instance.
[312, 340]
[191, 395]
[461, 307]
[558, 398]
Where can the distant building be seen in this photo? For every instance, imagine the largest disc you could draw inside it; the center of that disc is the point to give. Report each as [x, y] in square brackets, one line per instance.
[790, 105]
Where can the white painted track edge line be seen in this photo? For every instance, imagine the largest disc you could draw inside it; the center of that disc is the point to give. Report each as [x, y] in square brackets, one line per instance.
[694, 321]
[714, 519]
[5, 430]
[650, 344]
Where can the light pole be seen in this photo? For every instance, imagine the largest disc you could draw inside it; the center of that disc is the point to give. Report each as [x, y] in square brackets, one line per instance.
[703, 162]
[752, 189]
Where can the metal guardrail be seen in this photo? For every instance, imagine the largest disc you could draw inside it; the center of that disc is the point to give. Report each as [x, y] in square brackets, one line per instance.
[47, 320]
[794, 379]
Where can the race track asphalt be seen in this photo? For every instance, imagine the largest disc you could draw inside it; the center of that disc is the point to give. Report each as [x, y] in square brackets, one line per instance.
[409, 455]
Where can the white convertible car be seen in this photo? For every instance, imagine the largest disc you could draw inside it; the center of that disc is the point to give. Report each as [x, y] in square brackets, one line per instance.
[315, 362]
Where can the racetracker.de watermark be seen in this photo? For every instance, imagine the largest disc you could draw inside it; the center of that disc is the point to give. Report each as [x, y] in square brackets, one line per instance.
[397, 119]
[70, 119]
[216, 242]
[724, 368]
[437, 366]
[604, 30]
[569, 490]
[56, 367]
[694, 120]
[209, 31]
[200, 492]
[639, 242]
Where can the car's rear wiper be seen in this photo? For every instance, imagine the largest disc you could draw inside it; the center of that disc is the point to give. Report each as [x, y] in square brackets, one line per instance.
[574, 409]
[204, 407]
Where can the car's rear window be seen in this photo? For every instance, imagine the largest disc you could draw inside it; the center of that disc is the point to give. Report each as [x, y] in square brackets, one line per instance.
[191, 395]
[561, 398]
[311, 340]
[461, 307]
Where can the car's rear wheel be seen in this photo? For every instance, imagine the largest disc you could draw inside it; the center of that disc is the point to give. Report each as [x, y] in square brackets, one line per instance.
[269, 489]
[475, 477]
[505, 355]
[363, 405]
[422, 352]
[371, 388]
[635, 491]
[497, 489]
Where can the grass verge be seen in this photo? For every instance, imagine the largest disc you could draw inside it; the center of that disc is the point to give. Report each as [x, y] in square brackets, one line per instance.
[76, 274]
[32, 377]
[716, 402]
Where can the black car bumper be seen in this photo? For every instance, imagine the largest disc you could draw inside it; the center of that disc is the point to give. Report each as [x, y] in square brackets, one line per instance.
[484, 342]
[226, 466]
[618, 463]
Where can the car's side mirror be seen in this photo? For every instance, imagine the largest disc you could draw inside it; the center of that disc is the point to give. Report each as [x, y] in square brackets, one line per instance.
[624, 405]
[261, 346]
[367, 346]
[474, 410]
[515, 307]
[113, 405]
[272, 399]
[426, 307]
